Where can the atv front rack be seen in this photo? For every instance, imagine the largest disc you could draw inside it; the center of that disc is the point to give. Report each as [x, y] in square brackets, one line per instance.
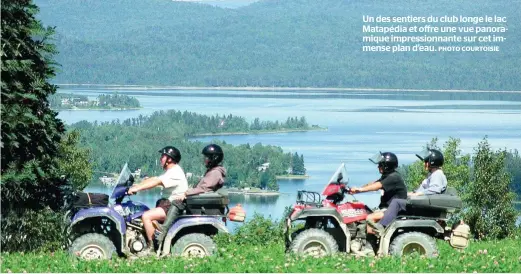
[309, 198]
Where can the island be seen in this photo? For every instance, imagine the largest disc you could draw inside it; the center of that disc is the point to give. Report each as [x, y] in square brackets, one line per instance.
[252, 169]
[70, 101]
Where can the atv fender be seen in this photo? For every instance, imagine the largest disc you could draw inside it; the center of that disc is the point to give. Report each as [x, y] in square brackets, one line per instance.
[191, 222]
[105, 212]
[385, 241]
[319, 212]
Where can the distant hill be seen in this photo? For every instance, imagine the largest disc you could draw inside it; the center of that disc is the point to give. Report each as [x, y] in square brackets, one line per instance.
[304, 43]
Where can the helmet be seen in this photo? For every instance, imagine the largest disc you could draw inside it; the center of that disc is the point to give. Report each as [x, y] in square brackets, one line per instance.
[171, 152]
[214, 153]
[387, 160]
[433, 156]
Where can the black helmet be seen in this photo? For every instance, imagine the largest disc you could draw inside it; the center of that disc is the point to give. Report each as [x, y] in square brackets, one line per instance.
[171, 152]
[214, 153]
[387, 160]
[432, 156]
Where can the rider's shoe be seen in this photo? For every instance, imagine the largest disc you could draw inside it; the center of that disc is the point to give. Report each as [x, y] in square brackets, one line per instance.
[379, 228]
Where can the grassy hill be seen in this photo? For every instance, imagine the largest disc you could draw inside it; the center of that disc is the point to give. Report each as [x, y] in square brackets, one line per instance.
[305, 43]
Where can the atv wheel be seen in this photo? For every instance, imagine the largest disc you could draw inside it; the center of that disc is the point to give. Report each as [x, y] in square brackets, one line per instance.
[194, 245]
[92, 246]
[414, 242]
[314, 242]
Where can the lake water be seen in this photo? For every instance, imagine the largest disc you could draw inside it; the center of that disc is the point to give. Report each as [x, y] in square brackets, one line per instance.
[359, 125]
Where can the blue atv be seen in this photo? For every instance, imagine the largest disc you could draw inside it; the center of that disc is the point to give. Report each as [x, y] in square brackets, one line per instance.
[98, 229]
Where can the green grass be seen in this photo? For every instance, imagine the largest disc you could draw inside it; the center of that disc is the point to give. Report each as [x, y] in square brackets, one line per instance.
[492, 256]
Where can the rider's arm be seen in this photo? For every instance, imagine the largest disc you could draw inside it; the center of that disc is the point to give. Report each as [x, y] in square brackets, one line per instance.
[368, 184]
[435, 184]
[146, 184]
[208, 183]
[371, 187]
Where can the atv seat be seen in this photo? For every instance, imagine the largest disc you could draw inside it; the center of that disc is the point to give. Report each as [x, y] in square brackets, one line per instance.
[209, 203]
[436, 205]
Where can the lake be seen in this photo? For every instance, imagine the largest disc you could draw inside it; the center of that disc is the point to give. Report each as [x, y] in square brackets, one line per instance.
[359, 125]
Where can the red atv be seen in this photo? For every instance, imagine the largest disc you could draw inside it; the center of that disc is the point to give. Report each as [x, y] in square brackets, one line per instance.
[329, 225]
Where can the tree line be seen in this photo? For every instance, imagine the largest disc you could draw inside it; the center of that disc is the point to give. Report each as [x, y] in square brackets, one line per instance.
[291, 43]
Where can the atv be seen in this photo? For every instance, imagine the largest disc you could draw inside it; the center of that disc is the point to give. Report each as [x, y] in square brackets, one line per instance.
[329, 225]
[97, 230]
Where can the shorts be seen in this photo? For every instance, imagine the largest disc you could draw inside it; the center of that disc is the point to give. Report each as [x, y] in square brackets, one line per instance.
[164, 203]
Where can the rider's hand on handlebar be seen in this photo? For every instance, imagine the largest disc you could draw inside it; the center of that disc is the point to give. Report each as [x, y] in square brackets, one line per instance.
[131, 191]
[355, 190]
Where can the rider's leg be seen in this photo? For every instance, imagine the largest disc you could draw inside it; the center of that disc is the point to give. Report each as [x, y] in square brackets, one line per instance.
[174, 211]
[392, 211]
[153, 214]
[373, 218]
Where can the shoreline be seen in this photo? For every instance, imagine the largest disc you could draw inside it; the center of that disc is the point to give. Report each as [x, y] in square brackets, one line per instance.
[256, 132]
[251, 192]
[245, 193]
[90, 109]
[251, 88]
[292, 177]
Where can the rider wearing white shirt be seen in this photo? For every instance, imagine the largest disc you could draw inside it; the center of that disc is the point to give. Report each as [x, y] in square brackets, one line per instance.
[173, 182]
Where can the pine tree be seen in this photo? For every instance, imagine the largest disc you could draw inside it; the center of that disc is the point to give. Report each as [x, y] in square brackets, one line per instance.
[31, 132]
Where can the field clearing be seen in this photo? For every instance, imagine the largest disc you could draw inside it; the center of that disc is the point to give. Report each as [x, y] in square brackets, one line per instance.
[490, 256]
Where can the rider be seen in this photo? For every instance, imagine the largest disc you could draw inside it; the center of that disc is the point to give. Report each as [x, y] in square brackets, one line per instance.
[213, 180]
[174, 183]
[435, 183]
[214, 177]
[391, 183]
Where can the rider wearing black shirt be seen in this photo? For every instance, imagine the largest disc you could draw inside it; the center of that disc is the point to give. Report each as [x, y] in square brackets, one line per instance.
[391, 183]
[393, 186]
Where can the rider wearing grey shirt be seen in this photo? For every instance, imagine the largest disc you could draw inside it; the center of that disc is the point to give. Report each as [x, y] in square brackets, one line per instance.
[435, 183]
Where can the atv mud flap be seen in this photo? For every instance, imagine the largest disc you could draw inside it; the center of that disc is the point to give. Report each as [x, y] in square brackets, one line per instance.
[287, 234]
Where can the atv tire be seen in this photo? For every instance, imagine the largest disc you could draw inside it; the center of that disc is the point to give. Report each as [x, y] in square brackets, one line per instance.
[194, 245]
[314, 242]
[408, 243]
[92, 246]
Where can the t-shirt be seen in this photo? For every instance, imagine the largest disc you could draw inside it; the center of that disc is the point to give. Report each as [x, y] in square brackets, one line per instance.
[394, 187]
[435, 183]
[174, 182]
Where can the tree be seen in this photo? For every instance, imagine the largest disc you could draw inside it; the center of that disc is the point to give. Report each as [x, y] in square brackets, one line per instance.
[490, 211]
[74, 161]
[30, 130]
[31, 133]
[513, 164]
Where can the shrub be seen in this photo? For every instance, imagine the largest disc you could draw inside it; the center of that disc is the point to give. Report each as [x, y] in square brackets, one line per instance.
[24, 230]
